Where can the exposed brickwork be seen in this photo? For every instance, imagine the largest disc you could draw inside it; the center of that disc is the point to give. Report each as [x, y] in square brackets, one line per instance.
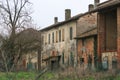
[89, 45]
[85, 50]
[101, 35]
[79, 43]
[118, 35]
[86, 23]
[107, 35]
[107, 31]
[85, 46]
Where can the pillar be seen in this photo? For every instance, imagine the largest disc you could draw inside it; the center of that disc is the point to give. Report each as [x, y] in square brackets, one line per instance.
[118, 36]
[101, 33]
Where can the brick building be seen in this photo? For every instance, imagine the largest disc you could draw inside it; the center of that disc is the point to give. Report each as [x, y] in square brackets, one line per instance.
[87, 40]
[87, 49]
[108, 33]
[59, 46]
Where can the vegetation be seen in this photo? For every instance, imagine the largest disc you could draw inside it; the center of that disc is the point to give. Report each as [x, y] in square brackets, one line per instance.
[19, 76]
[15, 20]
[56, 76]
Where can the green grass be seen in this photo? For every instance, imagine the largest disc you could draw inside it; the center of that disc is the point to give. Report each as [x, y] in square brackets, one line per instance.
[47, 76]
[26, 76]
[3, 76]
[52, 76]
[19, 76]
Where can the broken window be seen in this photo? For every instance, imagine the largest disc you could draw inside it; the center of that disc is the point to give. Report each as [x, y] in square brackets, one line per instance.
[114, 62]
[71, 33]
[53, 37]
[71, 59]
[63, 57]
[63, 34]
[56, 36]
[59, 35]
[49, 38]
[42, 39]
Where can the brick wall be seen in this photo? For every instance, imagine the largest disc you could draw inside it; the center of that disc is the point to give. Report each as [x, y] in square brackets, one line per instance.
[101, 35]
[79, 47]
[108, 37]
[87, 49]
[86, 22]
[118, 35]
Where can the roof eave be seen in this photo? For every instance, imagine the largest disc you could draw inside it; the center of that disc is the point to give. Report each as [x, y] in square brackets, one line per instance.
[64, 22]
[99, 8]
[85, 36]
[58, 24]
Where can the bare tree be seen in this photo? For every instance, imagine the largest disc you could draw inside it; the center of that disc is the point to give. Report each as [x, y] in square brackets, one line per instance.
[26, 41]
[15, 17]
[15, 14]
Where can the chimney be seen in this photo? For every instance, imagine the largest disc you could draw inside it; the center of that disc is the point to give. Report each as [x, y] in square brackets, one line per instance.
[55, 20]
[67, 14]
[91, 7]
[96, 2]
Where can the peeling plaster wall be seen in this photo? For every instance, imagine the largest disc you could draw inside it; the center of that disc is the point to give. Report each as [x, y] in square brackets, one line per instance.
[65, 46]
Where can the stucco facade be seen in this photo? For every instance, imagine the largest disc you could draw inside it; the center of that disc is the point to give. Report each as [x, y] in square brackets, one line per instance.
[31, 61]
[60, 44]
[64, 46]
[57, 39]
[28, 62]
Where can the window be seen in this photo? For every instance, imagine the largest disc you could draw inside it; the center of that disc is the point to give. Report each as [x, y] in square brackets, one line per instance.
[56, 36]
[49, 39]
[83, 46]
[59, 35]
[63, 57]
[71, 33]
[42, 39]
[63, 34]
[53, 37]
[45, 38]
[83, 42]
[71, 59]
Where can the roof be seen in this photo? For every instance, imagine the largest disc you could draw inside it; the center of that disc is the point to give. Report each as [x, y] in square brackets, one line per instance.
[87, 33]
[51, 57]
[100, 6]
[28, 39]
[61, 23]
[28, 35]
[66, 21]
[107, 4]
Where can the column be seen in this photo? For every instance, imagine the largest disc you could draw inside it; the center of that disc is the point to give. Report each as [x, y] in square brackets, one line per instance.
[118, 36]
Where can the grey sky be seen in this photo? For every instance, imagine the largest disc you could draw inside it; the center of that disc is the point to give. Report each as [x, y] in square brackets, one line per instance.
[46, 10]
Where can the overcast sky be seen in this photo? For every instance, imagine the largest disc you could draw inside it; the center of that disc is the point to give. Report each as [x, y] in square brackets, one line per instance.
[44, 11]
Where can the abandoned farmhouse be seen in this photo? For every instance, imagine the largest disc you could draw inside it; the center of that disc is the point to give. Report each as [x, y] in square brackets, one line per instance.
[91, 39]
